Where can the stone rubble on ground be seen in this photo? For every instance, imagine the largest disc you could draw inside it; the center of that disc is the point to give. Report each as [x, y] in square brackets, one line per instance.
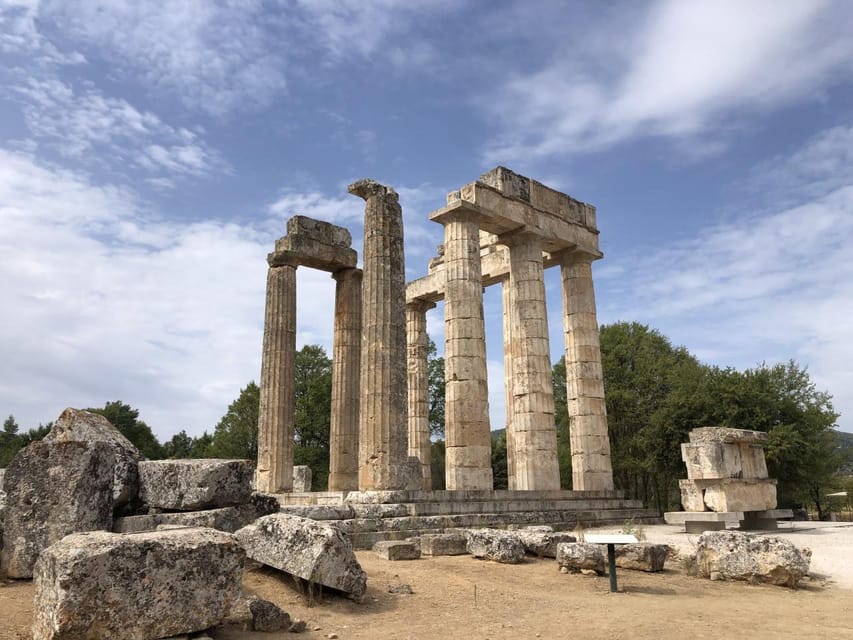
[642, 557]
[192, 485]
[268, 616]
[397, 549]
[136, 586]
[495, 545]
[443, 544]
[732, 555]
[314, 551]
[575, 557]
[542, 543]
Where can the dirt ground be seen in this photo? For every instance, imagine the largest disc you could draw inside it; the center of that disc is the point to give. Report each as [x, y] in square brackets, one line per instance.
[460, 597]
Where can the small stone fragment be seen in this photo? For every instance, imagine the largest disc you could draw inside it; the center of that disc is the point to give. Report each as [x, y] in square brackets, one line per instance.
[268, 616]
[642, 557]
[400, 588]
[298, 626]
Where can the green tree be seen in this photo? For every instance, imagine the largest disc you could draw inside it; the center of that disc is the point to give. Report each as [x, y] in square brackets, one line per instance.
[10, 441]
[126, 419]
[313, 384]
[236, 433]
[436, 464]
[179, 446]
[435, 376]
[499, 462]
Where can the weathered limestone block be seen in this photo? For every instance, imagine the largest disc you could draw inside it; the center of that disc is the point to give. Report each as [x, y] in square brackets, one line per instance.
[727, 434]
[498, 546]
[225, 519]
[314, 551]
[301, 478]
[717, 460]
[692, 496]
[731, 555]
[397, 549]
[190, 485]
[54, 489]
[542, 543]
[325, 232]
[268, 616]
[741, 495]
[641, 557]
[136, 587]
[574, 557]
[443, 544]
[74, 425]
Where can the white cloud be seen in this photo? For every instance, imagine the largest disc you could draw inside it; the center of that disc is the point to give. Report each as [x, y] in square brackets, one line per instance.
[764, 286]
[687, 67]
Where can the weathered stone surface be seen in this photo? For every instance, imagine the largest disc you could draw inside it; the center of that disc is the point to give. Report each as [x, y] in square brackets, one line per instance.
[731, 555]
[543, 543]
[642, 557]
[314, 551]
[301, 478]
[443, 544]
[136, 587]
[54, 489]
[225, 519]
[325, 232]
[268, 616]
[580, 556]
[498, 546]
[727, 434]
[740, 495]
[190, 485]
[397, 549]
[74, 425]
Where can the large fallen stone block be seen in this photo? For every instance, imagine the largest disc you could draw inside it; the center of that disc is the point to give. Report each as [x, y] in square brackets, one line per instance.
[136, 586]
[190, 485]
[575, 557]
[397, 549]
[443, 544]
[641, 557]
[732, 555]
[225, 519]
[54, 489]
[498, 546]
[74, 425]
[542, 543]
[314, 551]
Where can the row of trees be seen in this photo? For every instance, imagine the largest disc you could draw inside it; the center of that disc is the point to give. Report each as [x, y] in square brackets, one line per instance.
[656, 393]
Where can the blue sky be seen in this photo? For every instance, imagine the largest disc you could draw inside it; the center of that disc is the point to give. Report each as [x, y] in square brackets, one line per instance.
[149, 157]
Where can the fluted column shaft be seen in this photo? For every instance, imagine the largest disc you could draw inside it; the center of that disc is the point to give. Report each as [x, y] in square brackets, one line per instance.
[468, 462]
[591, 467]
[346, 388]
[534, 441]
[509, 386]
[418, 351]
[383, 446]
[277, 393]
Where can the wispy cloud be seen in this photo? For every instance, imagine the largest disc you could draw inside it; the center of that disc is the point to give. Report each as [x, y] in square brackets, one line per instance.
[686, 67]
[770, 285]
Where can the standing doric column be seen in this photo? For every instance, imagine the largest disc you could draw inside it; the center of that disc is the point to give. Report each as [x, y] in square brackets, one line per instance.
[277, 394]
[383, 446]
[468, 462]
[509, 385]
[346, 373]
[418, 351]
[534, 435]
[591, 469]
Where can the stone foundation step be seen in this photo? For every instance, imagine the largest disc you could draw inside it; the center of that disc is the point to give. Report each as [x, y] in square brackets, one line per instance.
[384, 510]
[440, 496]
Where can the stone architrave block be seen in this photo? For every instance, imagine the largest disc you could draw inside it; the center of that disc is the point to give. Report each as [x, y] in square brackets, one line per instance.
[191, 485]
[741, 495]
[543, 543]
[301, 478]
[397, 549]
[318, 230]
[74, 425]
[711, 460]
[54, 489]
[641, 557]
[314, 551]
[727, 435]
[498, 546]
[136, 586]
[443, 544]
[732, 555]
[575, 557]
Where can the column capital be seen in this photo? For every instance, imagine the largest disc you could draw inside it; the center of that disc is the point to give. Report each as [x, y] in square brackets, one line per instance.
[348, 274]
[367, 188]
[283, 259]
[576, 255]
[520, 235]
[420, 305]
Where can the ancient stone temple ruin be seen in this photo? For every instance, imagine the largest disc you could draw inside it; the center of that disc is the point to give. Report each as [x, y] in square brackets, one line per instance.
[727, 482]
[502, 229]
